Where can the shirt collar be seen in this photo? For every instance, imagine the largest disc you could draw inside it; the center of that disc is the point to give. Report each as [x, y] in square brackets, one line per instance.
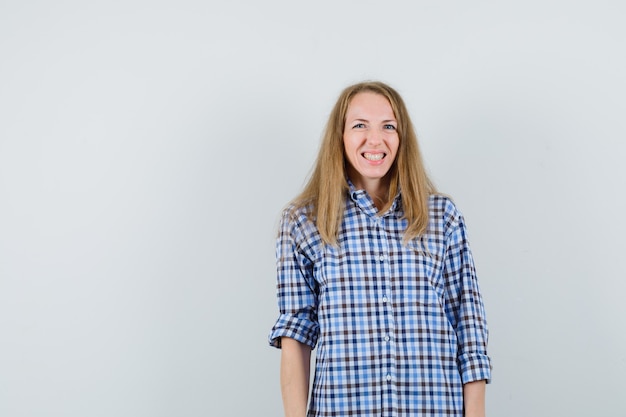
[362, 199]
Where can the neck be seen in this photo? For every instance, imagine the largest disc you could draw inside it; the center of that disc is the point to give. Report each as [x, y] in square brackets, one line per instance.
[378, 190]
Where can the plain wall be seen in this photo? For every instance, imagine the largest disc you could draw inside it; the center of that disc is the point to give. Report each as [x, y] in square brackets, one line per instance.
[147, 148]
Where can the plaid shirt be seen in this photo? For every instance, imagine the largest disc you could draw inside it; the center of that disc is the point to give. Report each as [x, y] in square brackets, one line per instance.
[399, 328]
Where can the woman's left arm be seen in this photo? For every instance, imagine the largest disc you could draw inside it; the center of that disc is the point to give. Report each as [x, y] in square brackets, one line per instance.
[465, 310]
[474, 398]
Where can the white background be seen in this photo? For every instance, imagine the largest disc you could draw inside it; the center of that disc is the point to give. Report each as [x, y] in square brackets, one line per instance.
[147, 147]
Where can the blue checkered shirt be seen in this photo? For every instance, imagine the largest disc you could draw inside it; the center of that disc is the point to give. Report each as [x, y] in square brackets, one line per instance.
[399, 328]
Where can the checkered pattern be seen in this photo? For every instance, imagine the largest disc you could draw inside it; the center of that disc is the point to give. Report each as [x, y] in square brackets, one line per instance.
[399, 328]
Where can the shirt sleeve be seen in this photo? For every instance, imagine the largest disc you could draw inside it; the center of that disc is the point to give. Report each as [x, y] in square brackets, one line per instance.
[297, 290]
[465, 307]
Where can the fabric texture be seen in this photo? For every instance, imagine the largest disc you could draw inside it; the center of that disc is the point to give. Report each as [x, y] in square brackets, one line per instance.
[399, 328]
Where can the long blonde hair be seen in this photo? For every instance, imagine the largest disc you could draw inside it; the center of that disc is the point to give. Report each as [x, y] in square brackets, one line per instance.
[325, 191]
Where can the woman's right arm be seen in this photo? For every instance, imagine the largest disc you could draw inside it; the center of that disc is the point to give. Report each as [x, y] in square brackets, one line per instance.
[295, 365]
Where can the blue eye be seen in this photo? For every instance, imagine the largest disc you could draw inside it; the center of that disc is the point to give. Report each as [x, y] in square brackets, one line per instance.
[389, 127]
[359, 126]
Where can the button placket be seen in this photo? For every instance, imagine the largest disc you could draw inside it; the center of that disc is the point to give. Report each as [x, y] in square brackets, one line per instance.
[388, 325]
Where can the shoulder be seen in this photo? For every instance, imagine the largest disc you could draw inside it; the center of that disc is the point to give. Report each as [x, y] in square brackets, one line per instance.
[297, 224]
[442, 206]
[443, 212]
[297, 215]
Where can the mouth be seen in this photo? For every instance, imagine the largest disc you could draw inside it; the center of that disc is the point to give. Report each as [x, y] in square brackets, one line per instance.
[373, 156]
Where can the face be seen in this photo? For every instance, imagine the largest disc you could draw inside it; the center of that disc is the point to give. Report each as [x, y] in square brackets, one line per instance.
[370, 140]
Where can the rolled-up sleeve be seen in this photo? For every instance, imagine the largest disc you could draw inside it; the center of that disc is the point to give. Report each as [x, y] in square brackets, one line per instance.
[297, 291]
[464, 305]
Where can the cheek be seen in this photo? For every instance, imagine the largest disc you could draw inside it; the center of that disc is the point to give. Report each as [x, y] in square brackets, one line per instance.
[348, 144]
[396, 145]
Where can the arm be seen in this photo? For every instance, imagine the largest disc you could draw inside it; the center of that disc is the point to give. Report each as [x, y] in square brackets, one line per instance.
[474, 399]
[466, 313]
[294, 376]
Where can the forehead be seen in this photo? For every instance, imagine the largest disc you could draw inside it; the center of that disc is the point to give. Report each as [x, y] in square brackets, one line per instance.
[371, 104]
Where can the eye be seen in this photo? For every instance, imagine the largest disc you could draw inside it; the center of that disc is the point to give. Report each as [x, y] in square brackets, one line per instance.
[358, 126]
[389, 127]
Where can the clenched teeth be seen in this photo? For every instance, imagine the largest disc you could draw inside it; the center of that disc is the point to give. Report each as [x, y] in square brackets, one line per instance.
[373, 156]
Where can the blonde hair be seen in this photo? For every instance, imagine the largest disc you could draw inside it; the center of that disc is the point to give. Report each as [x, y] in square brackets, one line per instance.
[325, 191]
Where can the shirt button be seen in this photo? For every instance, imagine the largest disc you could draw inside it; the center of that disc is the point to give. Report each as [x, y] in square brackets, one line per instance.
[387, 338]
[388, 377]
[381, 257]
[385, 299]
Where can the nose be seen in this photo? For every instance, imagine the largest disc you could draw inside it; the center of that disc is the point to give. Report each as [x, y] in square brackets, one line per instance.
[374, 137]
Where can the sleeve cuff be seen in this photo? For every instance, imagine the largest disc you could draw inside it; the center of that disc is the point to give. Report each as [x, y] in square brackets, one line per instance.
[475, 367]
[303, 330]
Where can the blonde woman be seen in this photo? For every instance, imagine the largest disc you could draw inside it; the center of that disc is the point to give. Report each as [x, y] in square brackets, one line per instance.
[374, 268]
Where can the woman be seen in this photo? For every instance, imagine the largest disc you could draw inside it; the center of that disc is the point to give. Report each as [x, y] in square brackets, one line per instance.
[375, 269]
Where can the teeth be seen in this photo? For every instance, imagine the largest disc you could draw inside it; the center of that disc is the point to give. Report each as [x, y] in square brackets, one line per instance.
[373, 156]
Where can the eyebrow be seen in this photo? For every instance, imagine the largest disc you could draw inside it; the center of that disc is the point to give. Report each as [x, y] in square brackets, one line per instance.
[383, 121]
